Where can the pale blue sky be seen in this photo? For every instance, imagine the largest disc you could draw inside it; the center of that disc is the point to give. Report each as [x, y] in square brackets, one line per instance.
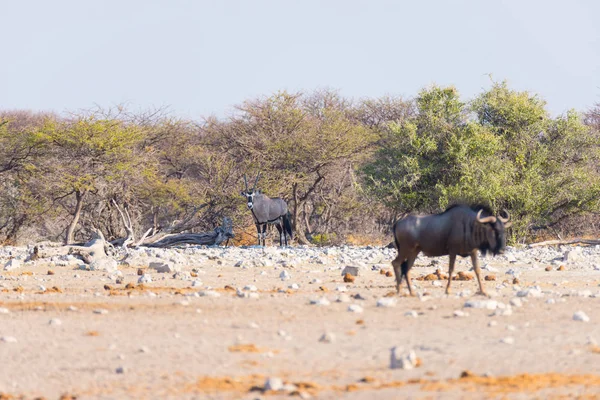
[203, 57]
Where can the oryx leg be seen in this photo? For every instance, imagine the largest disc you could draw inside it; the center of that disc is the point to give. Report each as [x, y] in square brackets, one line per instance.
[280, 230]
[450, 271]
[264, 234]
[258, 230]
[475, 262]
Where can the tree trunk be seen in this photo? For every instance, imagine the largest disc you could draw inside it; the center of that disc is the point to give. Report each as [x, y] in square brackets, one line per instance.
[296, 218]
[71, 228]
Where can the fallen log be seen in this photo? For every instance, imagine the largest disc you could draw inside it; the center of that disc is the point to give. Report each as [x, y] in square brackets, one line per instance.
[219, 235]
[566, 242]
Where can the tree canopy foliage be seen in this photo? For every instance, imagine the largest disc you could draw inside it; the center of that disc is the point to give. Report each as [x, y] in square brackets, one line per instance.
[345, 167]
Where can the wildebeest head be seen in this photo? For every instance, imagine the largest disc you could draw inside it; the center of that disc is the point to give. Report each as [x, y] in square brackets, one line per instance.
[249, 194]
[493, 228]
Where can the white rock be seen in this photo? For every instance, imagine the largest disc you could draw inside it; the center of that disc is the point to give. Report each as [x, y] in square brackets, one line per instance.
[294, 286]
[8, 339]
[503, 312]
[355, 308]
[146, 278]
[516, 302]
[250, 288]
[485, 304]
[460, 313]
[402, 360]
[209, 293]
[164, 266]
[386, 302]
[581, 316]
[55, 322]
[197, 283]
[13, 263]
[274, 384]
[550, 301]
[531, 292]
[322, 301]
[341, 288]
[104, 264]
[492, 323]
[4, 310]
[72, 308]
[101, 311]
[284, 275]
[343, 298]
[327, 337]
[411, 313]
[316, 281]
[508, 340]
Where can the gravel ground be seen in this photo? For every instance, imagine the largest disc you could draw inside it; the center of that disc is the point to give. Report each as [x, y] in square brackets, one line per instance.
[232, 323]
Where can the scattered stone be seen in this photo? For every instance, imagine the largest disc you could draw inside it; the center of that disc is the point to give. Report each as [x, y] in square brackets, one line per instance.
[13, 263]
[55, 322]
[411, 313]
[343, 298]
[516, 302]
[209, 293]
[321, 301]
[101, 311]
[516, 281]
[550, 301]
[485, 304]
[146, 278]
[197, 283]
[284, 275]
[460, 314]
[548, 268]
[389, 273]
[492, 323]
[327, 337]
[50, 272]
[403, 360]
[140, 272]
[250, 288]
[349, 278]
[355, 308]
[341, 289]
[561, 268]
[581, 316]
[316, 281]
[104, 264]
[531, 292]
[121, 370]
[164, 266]
[348, 270]
[8, 339]
[387, 302]
[508, 340]
[72, 308]
[4, 310]
[274, 384]
[490, 277]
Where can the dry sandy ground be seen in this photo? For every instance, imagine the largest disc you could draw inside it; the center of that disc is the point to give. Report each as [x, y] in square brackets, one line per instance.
[172, 344]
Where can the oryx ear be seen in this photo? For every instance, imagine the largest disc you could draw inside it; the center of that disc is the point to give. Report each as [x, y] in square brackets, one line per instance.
[243, 193]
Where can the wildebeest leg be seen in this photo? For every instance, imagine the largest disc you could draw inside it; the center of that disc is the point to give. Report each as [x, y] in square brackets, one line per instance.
[258, 230]
[397, 264]
[450, 271]
[475, 262]
[406, 266]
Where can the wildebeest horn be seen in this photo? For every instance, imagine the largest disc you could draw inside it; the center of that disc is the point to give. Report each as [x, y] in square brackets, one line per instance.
[246, 182]
[485, 220]
[256, 181]
[504, 220]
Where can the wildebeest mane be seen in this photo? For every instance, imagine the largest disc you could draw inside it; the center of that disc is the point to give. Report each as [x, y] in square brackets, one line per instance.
[487, 210]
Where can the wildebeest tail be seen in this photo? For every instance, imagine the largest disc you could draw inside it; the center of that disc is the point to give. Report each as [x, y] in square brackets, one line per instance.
[287, 224]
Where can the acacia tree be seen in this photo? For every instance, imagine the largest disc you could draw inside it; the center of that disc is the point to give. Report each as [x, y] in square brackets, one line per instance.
[85, 154]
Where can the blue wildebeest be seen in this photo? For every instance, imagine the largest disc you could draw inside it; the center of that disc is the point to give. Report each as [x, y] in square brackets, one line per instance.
[459, 231]
[268, 211]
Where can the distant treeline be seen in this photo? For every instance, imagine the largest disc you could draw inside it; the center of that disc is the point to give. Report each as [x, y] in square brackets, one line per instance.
[347, 168]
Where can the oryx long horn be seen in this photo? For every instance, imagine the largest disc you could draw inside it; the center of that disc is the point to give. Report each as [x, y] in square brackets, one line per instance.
[246, 182]
[504, 220]
[256, 181]
[485, 220]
